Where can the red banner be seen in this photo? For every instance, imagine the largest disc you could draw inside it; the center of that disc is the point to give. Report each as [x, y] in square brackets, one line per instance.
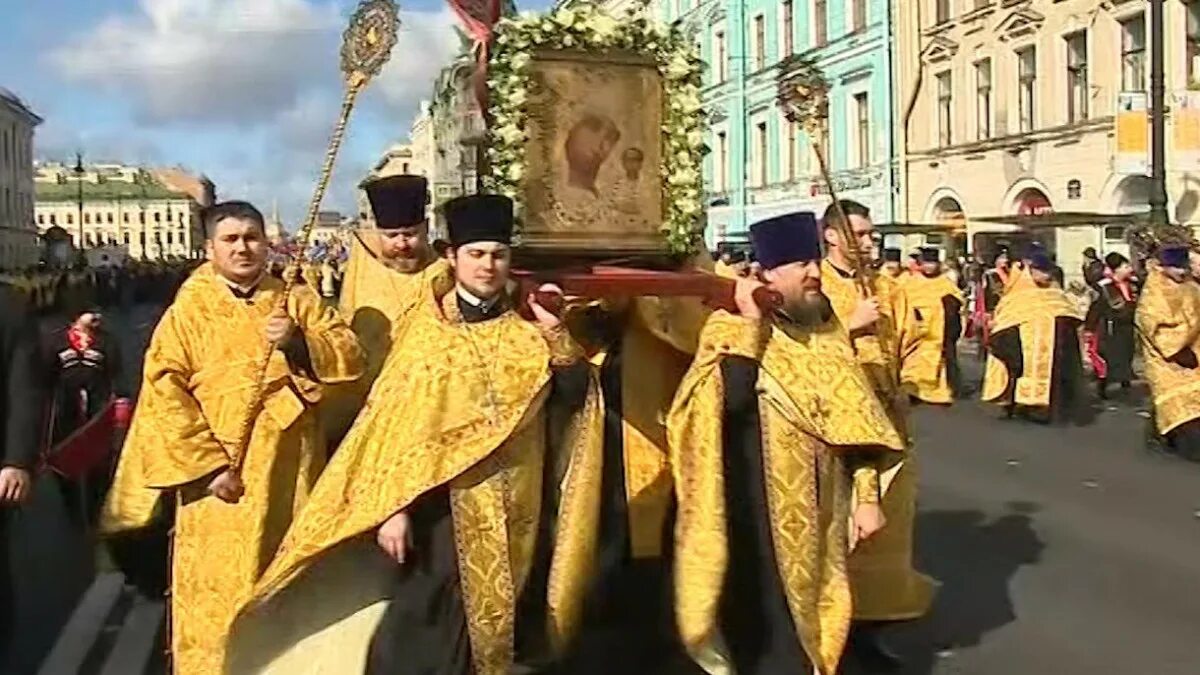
[479, 17]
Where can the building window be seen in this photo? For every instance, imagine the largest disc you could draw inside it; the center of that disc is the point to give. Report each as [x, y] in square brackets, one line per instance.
[126, 237]
[87, 217]
[785, 19]
[820, 23]
[53, 219]
[945, 93]
[70, 219]
[125, 218]
[109, 218]
[1077, 77]
[170, 216]
[760, 42]
[1193, 42]
[41, 219]
[983, 99]
[1133, 54]
[860, 15]
[1027, 87]
[759, 162]
[722, 160]
[941, 11]
[157, 217]
[789, 128]
[719, 55]
[862, 117]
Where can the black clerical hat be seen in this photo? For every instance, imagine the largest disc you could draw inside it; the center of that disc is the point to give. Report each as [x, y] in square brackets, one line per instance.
[398, 201]
[479, 218]
[1173, 256]
[930, 254]
[1114, 260]
[793, 237]
[1038, 260]
[891, 255]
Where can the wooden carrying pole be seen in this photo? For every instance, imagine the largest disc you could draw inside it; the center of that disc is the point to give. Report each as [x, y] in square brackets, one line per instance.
[366, 46]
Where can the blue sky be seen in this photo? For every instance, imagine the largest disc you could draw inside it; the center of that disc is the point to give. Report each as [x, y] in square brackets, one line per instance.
[241, 90]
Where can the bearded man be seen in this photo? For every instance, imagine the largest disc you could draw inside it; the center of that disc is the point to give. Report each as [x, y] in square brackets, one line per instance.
[1168, 324]
[770, 422]
[391, 268]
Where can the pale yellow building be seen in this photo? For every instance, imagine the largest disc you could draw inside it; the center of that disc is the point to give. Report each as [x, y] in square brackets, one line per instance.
[1007, 107]
[149, 214]
[18, 235]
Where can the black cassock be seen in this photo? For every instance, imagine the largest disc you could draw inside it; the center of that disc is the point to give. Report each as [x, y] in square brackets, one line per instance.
[1111, 318]
[754, 617]
[628, 624]
[21, 404]
[1069, 401]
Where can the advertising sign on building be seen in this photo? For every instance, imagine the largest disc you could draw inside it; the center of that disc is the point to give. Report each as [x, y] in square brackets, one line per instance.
[1185, 131]
[1132, 156]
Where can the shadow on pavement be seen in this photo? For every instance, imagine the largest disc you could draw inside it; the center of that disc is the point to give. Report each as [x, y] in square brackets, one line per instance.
[975, 558]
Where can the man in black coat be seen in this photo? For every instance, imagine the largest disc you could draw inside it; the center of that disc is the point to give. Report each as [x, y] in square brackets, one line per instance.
[20, 426]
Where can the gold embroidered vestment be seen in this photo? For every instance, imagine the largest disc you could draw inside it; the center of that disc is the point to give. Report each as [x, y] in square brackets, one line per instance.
[459, 405]
[1168, 321]
[814, 402]
[196, 386]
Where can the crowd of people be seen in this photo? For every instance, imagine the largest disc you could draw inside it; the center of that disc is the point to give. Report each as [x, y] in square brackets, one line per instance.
[435, 474]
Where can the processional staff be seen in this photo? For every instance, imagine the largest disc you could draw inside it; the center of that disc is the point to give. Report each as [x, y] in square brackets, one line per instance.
[366, 46]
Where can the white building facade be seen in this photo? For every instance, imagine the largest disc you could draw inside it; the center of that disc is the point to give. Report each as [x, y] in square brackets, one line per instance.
[19, 245]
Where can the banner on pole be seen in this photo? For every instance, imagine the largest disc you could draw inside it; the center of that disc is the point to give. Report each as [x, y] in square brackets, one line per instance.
[1185, 131]
[1132, 130]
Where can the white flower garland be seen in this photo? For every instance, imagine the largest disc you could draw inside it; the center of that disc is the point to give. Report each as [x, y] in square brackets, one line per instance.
[589, 29]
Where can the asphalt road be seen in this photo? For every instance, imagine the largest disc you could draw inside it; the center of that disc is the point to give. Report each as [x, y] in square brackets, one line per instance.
[1061, 551]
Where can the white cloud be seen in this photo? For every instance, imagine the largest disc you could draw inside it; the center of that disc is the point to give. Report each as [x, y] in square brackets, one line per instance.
[260, 75]
[227, 60]
[241, 61]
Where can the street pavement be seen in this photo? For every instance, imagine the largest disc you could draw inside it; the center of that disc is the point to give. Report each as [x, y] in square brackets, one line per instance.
[1060, 551]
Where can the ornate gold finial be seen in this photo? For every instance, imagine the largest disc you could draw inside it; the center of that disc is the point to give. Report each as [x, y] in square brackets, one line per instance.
[368, 41]
[366, 46]
[803, 93]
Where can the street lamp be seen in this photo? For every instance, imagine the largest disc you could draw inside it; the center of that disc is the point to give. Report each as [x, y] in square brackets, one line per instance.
[1158, 164]
[79, 193]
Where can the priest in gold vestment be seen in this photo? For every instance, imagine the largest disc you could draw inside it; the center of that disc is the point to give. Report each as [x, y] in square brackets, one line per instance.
[197, 386]
[883, 330]
[1168, 326]
[1034, 364]
[929, 367]
[772, 426]
[446, 536]
[391, 268]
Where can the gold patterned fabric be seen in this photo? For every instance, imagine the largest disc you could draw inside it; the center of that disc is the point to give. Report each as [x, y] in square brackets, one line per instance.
[459, 405]
[1032, 311]
[883, 580]
[879, 351]
[1168, 321]
[815, 402]
[197, 384]
[375, 300]
[923, 366]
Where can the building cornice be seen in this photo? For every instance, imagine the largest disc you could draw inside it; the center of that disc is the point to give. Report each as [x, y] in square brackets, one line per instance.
[1016, 142]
